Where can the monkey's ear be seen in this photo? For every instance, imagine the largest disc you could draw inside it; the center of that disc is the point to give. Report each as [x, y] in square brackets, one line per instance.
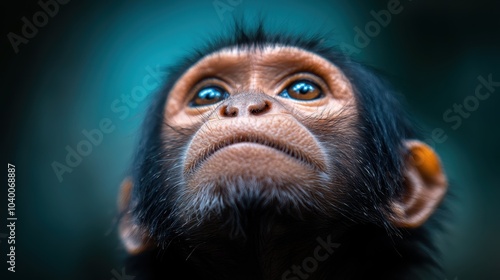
[133, 236]
[425, 186]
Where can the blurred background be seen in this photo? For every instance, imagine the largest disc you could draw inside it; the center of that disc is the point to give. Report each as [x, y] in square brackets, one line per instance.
[82, 67]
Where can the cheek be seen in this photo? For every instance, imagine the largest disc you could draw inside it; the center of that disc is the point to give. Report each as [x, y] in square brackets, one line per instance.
[327, 111]
[182, 120]
[187, 118]
[338, 132]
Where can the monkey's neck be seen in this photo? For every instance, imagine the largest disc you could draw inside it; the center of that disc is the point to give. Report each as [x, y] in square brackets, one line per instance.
[289, 251]
[283, 251]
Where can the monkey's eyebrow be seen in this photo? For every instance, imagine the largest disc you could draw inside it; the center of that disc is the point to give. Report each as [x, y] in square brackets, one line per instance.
[207, 79]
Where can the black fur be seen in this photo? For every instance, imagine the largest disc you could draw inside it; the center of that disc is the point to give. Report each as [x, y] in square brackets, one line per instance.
[370, 247]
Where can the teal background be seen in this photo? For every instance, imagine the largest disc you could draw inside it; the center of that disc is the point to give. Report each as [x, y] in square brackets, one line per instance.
[66, 78]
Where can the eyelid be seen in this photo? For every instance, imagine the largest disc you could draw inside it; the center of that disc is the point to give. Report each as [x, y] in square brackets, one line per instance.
[312, 78]
[206, 83]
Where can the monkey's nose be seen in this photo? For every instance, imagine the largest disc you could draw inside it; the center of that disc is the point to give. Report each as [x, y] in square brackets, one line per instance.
[246, 105]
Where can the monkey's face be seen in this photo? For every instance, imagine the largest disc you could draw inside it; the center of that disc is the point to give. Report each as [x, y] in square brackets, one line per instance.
[269, 134]
[270, 123]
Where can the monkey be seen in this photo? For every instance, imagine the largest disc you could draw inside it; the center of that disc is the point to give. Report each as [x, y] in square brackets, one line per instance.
[276, 156]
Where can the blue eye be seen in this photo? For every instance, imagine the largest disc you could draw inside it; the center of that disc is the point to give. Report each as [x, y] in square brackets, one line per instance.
[302, 90]
[208, 96]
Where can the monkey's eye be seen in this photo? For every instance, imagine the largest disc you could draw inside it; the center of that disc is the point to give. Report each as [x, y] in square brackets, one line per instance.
[208, 96]
[302, 90]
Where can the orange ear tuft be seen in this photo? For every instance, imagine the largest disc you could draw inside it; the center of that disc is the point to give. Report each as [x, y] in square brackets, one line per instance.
[425, 187]
[425, 160]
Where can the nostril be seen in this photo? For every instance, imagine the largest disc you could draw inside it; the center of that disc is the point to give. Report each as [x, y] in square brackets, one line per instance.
[229, 111]
[259, 108]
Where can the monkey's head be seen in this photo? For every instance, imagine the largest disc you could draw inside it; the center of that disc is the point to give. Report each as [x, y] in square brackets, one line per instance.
[274, 130]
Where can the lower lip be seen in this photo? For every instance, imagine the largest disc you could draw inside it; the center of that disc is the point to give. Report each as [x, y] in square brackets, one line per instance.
[250, 149]
[250, 156]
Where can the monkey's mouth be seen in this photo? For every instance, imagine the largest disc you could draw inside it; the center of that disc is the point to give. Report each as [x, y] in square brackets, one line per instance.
[255, 141]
